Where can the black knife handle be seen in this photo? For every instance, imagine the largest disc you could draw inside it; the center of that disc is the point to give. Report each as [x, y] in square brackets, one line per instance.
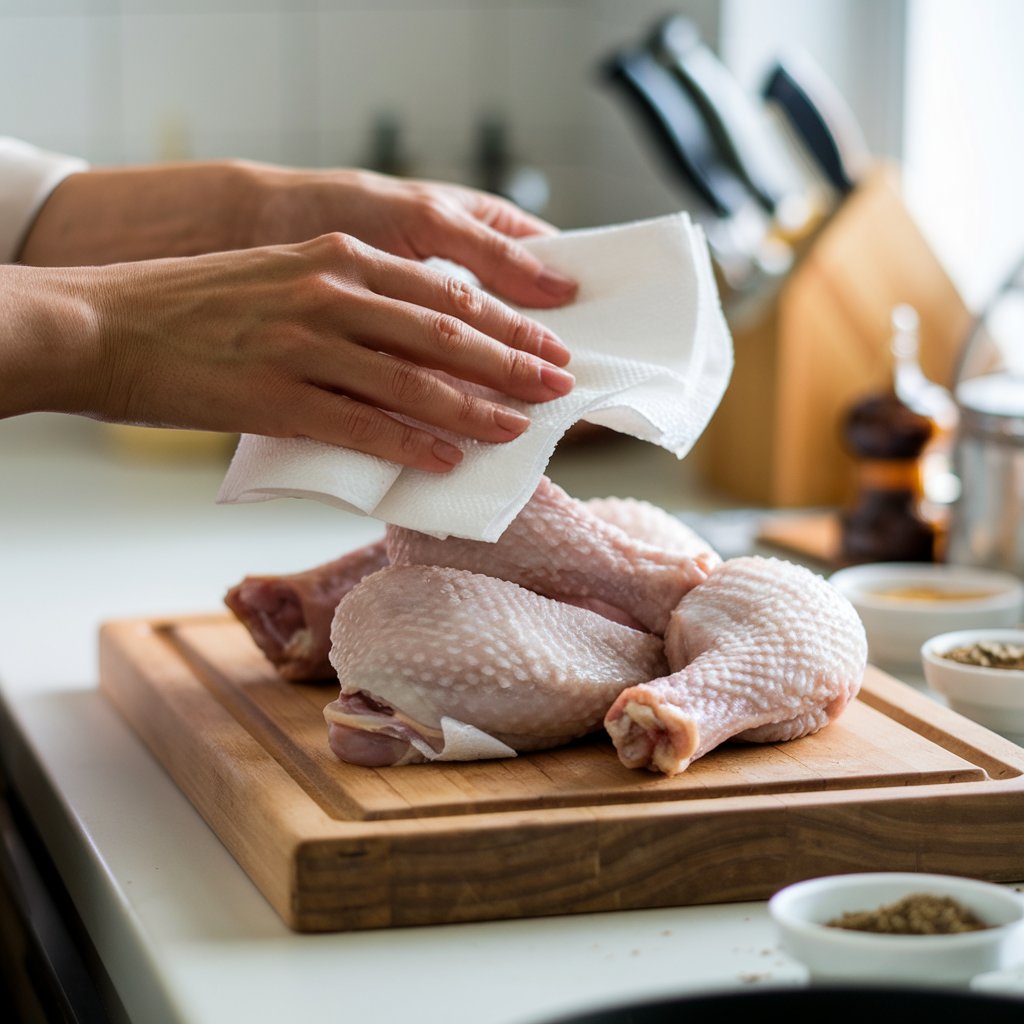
[734, 118]
[678, 128]
[811, 125]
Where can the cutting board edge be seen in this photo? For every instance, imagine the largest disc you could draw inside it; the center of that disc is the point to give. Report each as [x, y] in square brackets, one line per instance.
[301, 859]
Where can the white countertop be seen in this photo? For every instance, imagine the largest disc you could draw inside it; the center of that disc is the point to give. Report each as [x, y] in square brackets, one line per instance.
[90, 535]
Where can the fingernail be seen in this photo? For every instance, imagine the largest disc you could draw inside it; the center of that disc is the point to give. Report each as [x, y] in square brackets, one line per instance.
[512, 422]
[557, 380]
[554, 351]
[554, 283]
[447, 453]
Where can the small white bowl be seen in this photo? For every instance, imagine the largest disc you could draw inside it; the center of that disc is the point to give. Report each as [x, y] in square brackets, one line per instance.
[993, 697]
[832, 955]
[897, 622]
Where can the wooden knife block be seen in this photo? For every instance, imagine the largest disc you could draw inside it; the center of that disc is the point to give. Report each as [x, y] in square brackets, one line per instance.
[820, 342]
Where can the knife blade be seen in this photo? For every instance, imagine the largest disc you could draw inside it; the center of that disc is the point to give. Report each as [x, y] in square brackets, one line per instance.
[820, 117]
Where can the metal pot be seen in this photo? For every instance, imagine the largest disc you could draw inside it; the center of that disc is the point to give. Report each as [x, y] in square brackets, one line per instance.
[987, 527]
[987, 520]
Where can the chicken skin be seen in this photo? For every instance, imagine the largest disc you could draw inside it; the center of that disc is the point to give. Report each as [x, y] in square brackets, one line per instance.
[763, 651]
[558, 547]
[583, 613]
[289, 616]
[441, 663]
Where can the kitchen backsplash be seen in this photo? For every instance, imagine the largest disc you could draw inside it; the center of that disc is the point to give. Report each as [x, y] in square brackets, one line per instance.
[303, 82]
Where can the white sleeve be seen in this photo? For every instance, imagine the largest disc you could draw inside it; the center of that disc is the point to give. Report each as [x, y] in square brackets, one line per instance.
[27, 177]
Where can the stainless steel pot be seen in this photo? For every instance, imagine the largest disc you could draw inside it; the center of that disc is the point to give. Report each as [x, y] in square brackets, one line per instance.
[987, 520]
[987, 527]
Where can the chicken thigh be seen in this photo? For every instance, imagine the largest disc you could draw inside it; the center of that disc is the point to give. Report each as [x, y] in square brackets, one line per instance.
[559, 548]
[441, 663]
[763, 651]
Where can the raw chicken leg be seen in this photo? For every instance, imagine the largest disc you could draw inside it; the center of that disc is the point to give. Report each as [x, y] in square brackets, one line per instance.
[764, 650]
[290, 616]
[557, 547]
[439, 662]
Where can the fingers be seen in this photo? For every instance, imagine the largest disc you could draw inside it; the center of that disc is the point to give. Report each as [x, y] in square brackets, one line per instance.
[348, 423]
[396, 323]
[400, 387]
[442, 341]
[467, 333]
[497, 259]
[431, 320]
[506, 217]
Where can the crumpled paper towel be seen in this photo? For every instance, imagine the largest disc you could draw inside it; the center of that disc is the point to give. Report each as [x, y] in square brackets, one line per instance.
[651, 354]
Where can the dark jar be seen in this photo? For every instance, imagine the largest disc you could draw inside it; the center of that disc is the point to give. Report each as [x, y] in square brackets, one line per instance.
[885, 523]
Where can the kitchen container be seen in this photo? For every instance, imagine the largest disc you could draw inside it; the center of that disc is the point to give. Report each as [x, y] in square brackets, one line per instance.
[987, 524]
[993, 697]
[903, 604]
[802, 913]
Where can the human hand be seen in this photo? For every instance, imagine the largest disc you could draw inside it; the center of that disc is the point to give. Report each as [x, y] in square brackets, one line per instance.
[415, 219]
[136, 213]
[321, 339]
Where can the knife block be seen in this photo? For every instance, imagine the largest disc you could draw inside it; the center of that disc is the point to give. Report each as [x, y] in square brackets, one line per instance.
[820, 341]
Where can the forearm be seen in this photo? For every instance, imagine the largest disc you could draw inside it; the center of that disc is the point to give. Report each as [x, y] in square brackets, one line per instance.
[122, 215]
[126, 214]
[49, 340]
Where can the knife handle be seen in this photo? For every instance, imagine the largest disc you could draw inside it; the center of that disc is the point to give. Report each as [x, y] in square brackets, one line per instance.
[826, 127]
[735, 120]
[678, 128]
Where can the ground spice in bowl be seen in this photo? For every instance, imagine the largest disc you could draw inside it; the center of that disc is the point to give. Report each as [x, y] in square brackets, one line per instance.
[917, 914]
[988, 654]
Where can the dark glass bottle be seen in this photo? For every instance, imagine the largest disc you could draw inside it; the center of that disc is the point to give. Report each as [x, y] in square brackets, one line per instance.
[889, 439]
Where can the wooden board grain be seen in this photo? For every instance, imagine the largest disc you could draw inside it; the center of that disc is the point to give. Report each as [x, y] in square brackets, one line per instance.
[897, 783]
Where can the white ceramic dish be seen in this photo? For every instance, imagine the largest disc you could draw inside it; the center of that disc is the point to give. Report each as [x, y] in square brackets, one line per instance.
[897, 624]
[993, 697]
[838, 955]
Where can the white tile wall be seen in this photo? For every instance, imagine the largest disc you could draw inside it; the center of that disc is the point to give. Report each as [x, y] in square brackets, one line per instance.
[206, 85]
[301, 82]
[416, 64]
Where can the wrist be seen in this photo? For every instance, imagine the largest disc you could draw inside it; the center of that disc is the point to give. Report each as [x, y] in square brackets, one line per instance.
[50, 341]
[292, 205]
[120, 215]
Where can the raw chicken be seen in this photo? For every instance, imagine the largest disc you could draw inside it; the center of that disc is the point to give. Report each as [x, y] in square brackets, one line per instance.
[436, 662]
[764, 651]
[557, 547]
[652, 525]
[290, 616]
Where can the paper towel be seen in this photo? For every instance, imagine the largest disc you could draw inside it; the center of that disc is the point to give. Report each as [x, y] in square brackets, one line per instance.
[651, 354]
[463, 742]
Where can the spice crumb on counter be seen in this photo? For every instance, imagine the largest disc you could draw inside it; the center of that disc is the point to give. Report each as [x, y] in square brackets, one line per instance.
[916, 914]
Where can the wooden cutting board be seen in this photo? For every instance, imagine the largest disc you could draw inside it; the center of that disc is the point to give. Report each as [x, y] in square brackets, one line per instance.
[898, 783]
